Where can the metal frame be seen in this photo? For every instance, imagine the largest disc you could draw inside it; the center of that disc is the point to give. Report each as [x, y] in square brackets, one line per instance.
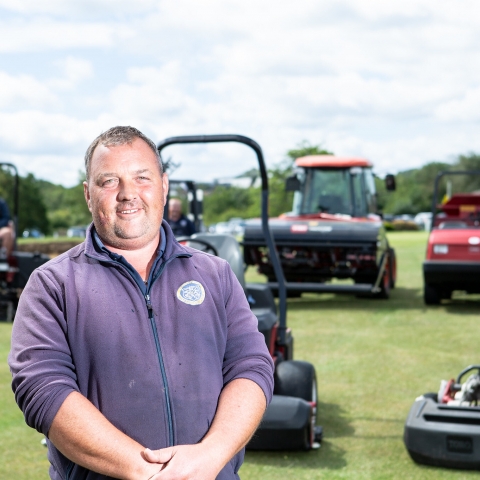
[277, 267]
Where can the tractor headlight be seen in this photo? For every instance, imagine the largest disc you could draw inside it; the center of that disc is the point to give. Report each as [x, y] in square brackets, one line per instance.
[440, 249]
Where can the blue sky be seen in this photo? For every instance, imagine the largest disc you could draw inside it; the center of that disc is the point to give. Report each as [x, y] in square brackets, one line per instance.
[396, 82]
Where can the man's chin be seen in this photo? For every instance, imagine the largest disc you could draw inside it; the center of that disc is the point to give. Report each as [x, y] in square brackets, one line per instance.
[128, 240]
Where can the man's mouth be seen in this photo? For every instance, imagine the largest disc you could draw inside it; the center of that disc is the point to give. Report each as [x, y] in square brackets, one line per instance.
[135, 210]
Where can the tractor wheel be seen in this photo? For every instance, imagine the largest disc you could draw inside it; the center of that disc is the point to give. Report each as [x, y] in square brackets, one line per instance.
[393, 268]
[431, 295]
[297, 379]
[384, 292]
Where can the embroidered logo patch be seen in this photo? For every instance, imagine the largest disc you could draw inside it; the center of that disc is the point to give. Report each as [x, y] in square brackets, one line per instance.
[191, 293]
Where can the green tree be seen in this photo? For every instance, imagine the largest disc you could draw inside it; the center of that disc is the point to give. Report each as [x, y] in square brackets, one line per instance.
[32, 212]
[305, 148]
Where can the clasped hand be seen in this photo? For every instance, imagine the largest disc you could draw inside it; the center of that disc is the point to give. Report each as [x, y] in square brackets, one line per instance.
[184, 462]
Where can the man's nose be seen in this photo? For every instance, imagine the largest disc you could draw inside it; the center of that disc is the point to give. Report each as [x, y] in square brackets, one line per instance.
[127, 191]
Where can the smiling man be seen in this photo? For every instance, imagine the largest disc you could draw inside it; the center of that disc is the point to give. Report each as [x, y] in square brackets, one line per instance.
[137, 357]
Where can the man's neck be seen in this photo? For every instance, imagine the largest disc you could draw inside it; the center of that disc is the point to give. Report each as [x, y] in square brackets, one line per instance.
[141, 259]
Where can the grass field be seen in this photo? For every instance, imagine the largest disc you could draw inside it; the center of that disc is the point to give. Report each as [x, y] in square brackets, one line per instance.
[373, 357]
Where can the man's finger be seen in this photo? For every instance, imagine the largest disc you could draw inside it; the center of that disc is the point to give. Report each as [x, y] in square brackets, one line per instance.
[163, 455]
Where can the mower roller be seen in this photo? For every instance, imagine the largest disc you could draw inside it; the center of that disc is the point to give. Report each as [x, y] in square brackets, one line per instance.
[289, 422]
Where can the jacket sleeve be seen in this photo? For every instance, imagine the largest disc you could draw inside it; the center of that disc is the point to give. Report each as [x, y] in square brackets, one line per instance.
[246, 355]
[4, 213]
[40, 359]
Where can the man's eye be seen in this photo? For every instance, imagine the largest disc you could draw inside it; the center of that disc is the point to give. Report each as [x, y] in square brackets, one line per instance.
[108, 182]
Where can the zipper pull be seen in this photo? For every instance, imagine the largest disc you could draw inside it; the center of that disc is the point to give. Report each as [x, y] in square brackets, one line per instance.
[149, 304]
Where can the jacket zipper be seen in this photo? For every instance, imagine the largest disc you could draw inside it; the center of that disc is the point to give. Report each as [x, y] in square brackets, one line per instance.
[162, 369]
[155, 335]
[69, 470]
[159, 349]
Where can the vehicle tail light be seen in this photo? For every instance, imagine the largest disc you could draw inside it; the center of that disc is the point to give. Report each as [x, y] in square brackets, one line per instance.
[440, 249]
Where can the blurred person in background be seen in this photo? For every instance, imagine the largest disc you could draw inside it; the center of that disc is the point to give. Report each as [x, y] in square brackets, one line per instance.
[181, 226]
[7, 232]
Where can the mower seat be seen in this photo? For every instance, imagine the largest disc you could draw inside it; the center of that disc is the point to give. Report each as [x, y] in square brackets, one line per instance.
[227, 248]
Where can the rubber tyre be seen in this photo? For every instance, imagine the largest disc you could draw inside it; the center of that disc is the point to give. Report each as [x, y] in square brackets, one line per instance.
[295, 378]
[384, 292]
[431, 295]
[393, 268]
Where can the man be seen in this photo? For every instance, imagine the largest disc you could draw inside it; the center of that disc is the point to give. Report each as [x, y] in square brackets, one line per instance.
[7, 231]
[181, 226]
[137, 357]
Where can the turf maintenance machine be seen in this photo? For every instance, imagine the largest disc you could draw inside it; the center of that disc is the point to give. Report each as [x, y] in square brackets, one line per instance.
[15, 267]
[333, 231]
[443, 429]
[290, 420]
[453, 251]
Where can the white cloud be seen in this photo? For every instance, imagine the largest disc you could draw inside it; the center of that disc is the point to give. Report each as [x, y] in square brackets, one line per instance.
[396, 82]
[74, 9]
[47, 35]
[24, 91]
[74, 70]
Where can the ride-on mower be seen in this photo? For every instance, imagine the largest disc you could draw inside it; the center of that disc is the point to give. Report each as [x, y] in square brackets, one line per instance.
[443, 429]
[290, 420]
[334, 231]
[15, 267]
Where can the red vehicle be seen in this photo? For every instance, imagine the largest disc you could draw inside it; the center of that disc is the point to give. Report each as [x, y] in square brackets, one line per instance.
[334, 231]
[453, 251]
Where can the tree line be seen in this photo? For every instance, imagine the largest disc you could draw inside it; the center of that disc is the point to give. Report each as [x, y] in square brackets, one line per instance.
[49, 207]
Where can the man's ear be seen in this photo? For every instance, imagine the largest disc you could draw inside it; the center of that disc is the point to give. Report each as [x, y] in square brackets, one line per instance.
[87, 195]
[165, 187]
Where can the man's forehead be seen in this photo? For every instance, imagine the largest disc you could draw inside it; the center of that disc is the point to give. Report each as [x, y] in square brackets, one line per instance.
[113, 157]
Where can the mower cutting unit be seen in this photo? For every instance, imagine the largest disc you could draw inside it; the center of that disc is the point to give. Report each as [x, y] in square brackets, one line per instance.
[290, 420]
[444, 429]
[453, 251]
[333, 232]
[15, 267]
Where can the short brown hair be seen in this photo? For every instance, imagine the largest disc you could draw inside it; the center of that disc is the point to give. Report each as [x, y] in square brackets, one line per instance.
[120, 135]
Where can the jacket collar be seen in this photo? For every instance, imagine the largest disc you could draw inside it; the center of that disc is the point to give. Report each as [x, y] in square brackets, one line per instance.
[172, 247]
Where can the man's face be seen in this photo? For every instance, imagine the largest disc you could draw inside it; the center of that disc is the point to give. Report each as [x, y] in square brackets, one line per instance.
[174, 210]
[126, 194]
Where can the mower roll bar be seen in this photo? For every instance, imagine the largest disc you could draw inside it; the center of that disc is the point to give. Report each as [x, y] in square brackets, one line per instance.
[437, 181]
[224, 138]
[15, 195]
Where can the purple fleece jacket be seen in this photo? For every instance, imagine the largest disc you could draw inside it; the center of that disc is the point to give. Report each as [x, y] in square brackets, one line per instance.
[155, 371]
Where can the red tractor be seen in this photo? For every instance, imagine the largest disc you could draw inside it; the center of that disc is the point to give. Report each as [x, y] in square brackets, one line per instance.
[453, 251]
[334, 231]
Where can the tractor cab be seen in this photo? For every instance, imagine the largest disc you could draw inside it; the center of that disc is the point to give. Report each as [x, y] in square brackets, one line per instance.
[326, 184]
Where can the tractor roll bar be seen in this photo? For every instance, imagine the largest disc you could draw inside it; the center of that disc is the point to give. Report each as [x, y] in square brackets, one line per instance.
[282, 292]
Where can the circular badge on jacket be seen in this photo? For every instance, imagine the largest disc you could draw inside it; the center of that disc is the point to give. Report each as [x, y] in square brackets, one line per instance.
[191, 293]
